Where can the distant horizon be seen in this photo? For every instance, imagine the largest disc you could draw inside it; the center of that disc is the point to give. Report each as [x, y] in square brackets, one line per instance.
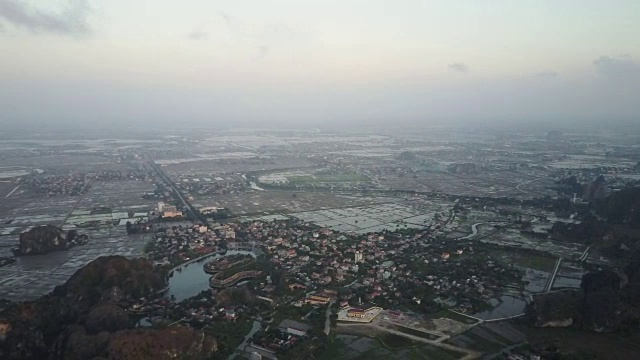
[42, 130]
[291, 63]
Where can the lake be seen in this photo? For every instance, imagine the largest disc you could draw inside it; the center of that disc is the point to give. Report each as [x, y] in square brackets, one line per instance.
[192, 279]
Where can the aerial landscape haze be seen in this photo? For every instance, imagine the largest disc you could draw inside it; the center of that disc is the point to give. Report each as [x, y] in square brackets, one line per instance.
[319, 180]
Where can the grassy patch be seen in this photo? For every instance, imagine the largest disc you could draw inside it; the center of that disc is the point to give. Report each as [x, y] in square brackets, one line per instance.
[290, 312]
[533, 261]
[335, 349]
[414, 332]
[428, 352]
[393, 341]
[481, 344]
[388, 346]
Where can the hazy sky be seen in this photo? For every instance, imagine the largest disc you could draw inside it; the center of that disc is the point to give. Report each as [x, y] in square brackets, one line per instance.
[303, 61]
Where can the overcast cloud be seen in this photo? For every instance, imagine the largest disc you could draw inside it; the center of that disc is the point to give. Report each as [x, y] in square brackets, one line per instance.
[298, 62]
[621, 67]
[458, 67]
[198, 35]
[69, 19]
[546, 74]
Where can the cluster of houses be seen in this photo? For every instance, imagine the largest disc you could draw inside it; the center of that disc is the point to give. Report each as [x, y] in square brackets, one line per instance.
[56, 185]
[408, 268]
[405, 268]
[73, 184]
[203, 186]
[180, 243]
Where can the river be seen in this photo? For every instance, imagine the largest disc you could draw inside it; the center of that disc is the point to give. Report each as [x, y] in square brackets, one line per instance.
[474, 232]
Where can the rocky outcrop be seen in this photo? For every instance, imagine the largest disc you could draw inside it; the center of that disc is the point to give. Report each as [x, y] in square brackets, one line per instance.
[621, 207]
[42, 240]
[116, 279]
[107, 317]
[610, 225]
[596, 190]
[172, 343]
[607, 302]
[558, 309]
[47, 238]
[82, 320]
[160, 344]
[569, 186]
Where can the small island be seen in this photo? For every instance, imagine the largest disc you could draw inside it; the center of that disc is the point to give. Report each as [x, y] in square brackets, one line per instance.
[225, 263]
[48, 238]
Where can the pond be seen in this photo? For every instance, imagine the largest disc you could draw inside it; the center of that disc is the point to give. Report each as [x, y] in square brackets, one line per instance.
[536, 280]
[192, 279]
[566, 282]
[506, 306]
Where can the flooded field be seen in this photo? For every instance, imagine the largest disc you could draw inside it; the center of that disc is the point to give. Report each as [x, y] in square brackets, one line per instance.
[33, 276]
[374, 218]
[506, 306]
[255, 202]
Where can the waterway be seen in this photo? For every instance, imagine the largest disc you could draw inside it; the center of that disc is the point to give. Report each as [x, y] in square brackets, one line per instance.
[474, 232]
[506, 306]
[254, 186]
[192, 279]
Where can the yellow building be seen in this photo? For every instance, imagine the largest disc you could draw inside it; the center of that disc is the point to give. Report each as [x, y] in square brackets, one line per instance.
[317, 300]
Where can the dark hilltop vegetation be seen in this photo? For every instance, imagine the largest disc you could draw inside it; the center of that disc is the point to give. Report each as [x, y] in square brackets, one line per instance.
[47, 238]
[84, 319]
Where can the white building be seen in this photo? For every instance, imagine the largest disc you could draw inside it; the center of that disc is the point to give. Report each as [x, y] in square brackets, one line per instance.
[358, 257]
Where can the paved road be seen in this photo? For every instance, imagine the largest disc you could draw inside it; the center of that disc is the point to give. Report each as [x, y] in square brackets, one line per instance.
[243, 346]
[327, 322]
[75, 206]
[585, 254]
[177, 193]
[12, 191]
[552, 278]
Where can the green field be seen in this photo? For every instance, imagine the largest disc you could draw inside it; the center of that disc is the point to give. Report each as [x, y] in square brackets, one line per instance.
[386, 346]
[533, 261]
[391, 341]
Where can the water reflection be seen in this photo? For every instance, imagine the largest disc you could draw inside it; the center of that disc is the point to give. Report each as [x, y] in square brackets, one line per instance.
[506, 306]
[192, 279]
